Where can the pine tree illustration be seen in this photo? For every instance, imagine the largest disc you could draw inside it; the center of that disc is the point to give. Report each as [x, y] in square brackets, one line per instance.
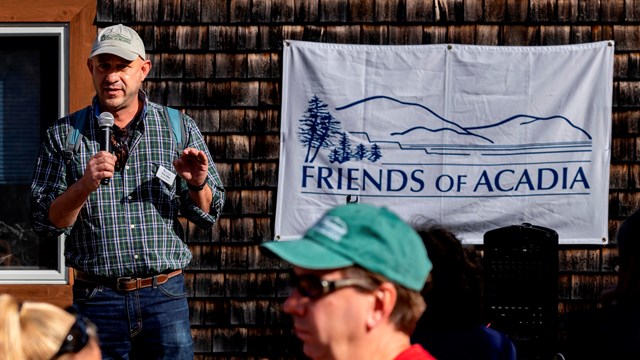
[334, 156]
[376, 153]
[361, 152]
[344, 148]
[317, 128]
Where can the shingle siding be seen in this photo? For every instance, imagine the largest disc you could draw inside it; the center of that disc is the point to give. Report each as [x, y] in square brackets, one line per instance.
[221, 62]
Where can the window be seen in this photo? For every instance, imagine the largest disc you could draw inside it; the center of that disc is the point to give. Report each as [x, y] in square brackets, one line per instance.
[33, 79]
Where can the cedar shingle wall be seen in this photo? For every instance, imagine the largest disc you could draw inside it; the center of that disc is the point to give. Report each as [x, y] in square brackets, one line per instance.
[220, 60]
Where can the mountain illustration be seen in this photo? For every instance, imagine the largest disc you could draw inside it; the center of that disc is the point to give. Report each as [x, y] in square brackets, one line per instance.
[320, 129]
[435, 129]
[382, 122]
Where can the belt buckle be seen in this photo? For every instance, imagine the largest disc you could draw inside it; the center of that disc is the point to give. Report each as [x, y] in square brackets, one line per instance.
[122, 281]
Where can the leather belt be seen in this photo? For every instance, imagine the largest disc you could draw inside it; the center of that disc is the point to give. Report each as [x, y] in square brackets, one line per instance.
[127, 283]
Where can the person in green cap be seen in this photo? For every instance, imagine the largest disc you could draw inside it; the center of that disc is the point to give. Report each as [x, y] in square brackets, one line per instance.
[357, 276]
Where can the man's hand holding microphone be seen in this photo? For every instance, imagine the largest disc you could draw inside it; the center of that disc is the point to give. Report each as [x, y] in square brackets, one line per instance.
[102, 165]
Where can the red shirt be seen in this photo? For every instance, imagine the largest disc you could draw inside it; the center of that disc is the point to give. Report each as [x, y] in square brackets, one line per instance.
[415, 352]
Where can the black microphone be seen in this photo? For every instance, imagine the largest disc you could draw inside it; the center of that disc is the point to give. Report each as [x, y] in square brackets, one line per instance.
[105, 121]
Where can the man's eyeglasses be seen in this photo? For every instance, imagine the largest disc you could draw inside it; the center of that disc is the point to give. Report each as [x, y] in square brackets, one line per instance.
[314, 287]
[77, 338]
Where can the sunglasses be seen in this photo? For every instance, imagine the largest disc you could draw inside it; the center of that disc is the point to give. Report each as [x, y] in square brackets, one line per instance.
[76, 339]
[119, 138]
[313, 287]
[121, 151]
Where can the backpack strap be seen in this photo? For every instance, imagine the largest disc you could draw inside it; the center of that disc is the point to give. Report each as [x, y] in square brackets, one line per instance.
[174, 117]
[74, 135]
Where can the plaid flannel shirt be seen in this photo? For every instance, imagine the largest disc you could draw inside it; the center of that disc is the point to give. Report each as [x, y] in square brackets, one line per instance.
[129, 227]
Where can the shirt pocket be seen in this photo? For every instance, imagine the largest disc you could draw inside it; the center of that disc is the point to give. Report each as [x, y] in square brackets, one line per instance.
[161, 189]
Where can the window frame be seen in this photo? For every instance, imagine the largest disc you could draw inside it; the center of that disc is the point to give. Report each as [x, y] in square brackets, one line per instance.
[79, 16]
[61, 32]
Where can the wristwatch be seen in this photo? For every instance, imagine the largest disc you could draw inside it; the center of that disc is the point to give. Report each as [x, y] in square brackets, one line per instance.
[197, 188]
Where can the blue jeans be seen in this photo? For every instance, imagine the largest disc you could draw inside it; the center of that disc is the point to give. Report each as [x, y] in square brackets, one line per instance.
[150, 323]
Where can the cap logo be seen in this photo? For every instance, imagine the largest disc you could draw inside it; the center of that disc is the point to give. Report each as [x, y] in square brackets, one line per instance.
[332, 227]
[116, 37]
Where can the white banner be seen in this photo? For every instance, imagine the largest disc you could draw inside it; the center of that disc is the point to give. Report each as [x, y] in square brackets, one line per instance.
[471, 137]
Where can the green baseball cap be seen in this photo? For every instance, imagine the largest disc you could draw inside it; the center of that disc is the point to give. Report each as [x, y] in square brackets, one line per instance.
[357, 234]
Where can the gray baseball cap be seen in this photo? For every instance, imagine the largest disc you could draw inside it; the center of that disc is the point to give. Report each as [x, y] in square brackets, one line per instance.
[119, 40]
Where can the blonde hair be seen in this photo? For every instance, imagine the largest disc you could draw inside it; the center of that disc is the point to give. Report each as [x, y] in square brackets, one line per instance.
[32, 330]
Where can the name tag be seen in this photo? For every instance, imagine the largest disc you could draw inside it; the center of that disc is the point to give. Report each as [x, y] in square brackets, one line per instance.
[165, 175]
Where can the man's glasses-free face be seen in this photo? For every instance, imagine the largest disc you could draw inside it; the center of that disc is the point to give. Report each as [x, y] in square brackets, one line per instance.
[313, 287]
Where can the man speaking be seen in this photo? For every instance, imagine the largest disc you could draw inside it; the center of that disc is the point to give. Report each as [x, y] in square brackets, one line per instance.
[124, 240]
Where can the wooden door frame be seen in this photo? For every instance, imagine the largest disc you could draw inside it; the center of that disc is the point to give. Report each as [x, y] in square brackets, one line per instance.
[80, 16]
